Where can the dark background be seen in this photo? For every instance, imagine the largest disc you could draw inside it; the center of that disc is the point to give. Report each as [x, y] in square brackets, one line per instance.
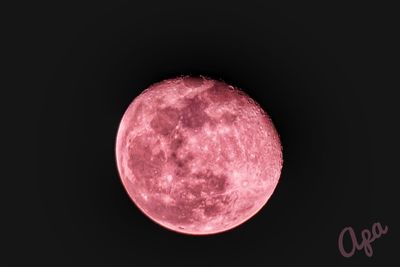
[327, 73]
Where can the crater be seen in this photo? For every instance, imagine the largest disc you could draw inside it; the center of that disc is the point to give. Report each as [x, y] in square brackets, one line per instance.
[193, 114]
[177, 157]
[193, 82]
[213, 206]
[220, 93]
[213, 183]
[228, 118]
[183, 211]
[176, 142]
[179, 213]
[165, 120]
[211, 210]
[182, 166]
[142, 162]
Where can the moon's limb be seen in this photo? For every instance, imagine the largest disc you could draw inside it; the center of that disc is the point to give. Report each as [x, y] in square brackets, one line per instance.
[198, 156]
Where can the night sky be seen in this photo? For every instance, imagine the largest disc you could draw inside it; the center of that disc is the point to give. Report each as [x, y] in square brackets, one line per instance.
[326, 73]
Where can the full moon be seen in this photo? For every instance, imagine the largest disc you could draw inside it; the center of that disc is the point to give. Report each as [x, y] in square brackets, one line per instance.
[197, 156]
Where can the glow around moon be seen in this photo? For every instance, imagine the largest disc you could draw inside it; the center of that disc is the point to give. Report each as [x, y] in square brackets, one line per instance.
[197, 156]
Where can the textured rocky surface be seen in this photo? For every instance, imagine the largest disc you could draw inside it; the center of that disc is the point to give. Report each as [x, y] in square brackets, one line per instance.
[197, 156]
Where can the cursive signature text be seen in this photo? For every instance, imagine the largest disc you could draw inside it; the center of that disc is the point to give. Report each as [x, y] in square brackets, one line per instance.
[367, 237]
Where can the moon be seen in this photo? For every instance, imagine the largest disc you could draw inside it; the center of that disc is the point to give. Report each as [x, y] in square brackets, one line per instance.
[197, 156]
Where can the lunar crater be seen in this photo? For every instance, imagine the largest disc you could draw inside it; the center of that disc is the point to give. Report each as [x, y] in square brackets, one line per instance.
[193, 114]
[165, 120]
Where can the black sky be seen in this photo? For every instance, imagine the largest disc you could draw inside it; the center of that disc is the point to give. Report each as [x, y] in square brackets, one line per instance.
[327, 73]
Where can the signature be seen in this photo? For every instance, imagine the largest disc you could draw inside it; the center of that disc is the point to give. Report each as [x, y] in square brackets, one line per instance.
[367, 237]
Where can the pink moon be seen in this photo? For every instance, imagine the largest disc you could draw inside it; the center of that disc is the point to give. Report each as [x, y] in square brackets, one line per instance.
[198, 156]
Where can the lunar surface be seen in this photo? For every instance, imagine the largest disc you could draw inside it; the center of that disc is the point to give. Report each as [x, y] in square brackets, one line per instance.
[197, 156]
